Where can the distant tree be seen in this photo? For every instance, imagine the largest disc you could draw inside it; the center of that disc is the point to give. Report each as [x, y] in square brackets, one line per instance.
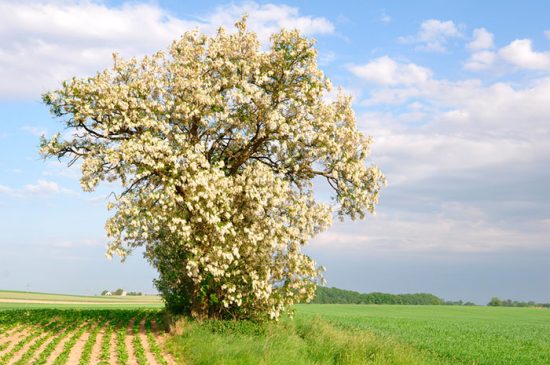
[326, 295]
[104, 292]
[495, 302]
[118, 292]
[216, 146]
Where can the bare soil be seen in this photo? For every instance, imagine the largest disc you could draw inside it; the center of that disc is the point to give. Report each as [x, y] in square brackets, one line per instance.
[96, 349]
[143, 337]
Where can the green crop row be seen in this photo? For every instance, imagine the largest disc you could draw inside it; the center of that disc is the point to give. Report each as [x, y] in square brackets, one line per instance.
[139, 351]
[49, 331]
[37, 324]
[153, 345]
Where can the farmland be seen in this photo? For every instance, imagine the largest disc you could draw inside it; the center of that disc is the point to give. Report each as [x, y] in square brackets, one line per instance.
[375, 334]
[40, 328]
[17, 299]
[85, 336]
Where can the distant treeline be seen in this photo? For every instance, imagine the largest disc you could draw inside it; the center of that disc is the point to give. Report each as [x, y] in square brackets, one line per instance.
[326, 295]
[496, 302]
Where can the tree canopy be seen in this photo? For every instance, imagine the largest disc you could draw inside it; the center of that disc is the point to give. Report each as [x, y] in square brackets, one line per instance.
[216, 145]
[326, 295]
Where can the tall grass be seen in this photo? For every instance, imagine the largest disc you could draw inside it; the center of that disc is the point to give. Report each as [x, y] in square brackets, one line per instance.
[301, 341]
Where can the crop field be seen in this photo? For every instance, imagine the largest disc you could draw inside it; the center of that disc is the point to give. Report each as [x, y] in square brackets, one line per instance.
[17, 299]
[374, 334]
[93, 330]
[81, 336]
[451, 334]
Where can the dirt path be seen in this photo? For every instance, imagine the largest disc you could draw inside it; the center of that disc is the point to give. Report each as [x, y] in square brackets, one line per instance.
[145, 343]
[96, 349]
[128, 341]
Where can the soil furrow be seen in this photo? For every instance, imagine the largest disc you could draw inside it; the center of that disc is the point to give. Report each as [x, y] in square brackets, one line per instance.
[112, 348]
[160, 339]
[15, 338]
[78, 347]
[8, 335]
[96, 349]
[60, 346]
[128, 341]
[25, 348]
[143, 337]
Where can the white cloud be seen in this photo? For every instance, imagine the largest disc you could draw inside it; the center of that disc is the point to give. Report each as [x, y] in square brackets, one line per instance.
[385, 18]
[451, 228]
[266, 19]
[547, 34]
[42, 188]
[43, 43]
[520, 53]
[386, 71]
[481, 60]
[482, 39]
[461, 126]
[433, 35]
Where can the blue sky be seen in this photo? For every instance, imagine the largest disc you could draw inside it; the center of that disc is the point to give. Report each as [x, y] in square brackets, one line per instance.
[456, 96]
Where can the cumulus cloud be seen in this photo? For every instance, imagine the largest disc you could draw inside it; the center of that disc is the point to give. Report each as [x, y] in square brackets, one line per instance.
[434, 233]
[482, 39]
[434, 35]
[386, 71]
[482, 57]
[43, 43]
[445, 144]
[520, 53]
[481, 60]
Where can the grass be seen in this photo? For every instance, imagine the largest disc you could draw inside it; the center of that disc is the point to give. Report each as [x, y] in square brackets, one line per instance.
[302, 341]
[319, 334]
[373, 334]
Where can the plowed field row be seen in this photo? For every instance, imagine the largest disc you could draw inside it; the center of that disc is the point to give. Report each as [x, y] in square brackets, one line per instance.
[57, 337]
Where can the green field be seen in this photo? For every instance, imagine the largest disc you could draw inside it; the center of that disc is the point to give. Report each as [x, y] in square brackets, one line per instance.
[453, 334]
[376, 334]
[120, 330]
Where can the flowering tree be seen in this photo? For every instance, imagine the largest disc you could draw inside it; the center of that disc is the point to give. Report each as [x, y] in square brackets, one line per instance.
[216, 146]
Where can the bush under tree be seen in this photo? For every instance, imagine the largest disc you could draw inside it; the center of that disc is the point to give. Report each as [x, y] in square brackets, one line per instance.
[216, 145]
